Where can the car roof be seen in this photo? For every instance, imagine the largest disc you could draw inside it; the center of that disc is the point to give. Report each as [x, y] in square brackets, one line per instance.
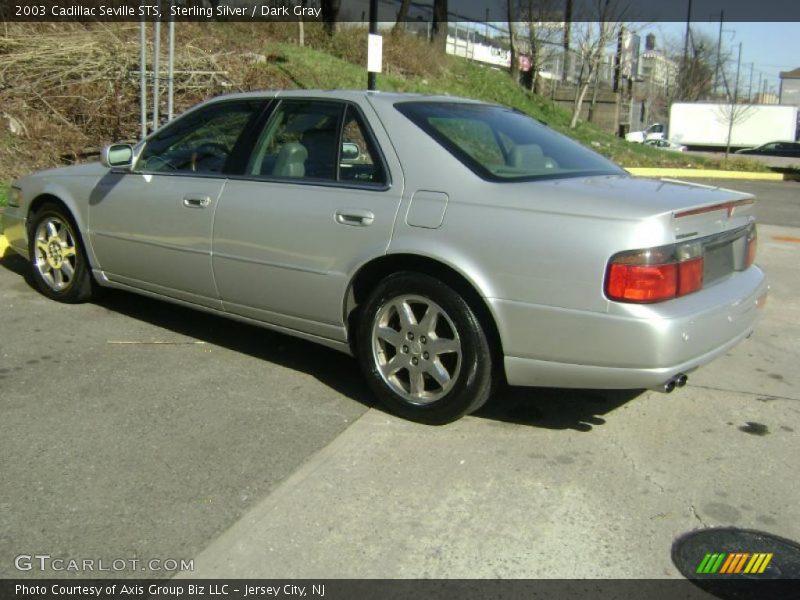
[374, 96]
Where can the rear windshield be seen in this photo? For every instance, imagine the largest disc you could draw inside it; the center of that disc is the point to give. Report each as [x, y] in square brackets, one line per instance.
[501, 144]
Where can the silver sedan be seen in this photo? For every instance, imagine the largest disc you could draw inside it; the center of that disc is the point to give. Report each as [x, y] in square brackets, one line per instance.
[448, 244]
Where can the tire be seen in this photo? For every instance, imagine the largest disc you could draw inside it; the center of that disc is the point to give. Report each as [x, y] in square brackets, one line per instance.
[58, 259]
[423, 350]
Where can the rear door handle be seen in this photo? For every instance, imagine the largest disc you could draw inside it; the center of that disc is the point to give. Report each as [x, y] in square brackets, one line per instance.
[196, 201]
[357, 217]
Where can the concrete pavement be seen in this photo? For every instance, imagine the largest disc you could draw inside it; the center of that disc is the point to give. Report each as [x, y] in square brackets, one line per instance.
[548, 484]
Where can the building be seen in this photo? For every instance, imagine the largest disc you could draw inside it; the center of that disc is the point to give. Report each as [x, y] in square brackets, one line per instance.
[790, 87]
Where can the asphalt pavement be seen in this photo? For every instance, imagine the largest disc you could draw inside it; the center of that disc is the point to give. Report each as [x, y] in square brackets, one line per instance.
[779, 201]
[134, 429]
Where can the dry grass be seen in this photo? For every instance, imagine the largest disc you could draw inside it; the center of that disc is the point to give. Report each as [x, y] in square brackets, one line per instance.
[68, 87]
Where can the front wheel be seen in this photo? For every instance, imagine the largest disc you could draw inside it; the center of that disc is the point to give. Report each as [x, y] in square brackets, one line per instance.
[423, 350]
[60, 268]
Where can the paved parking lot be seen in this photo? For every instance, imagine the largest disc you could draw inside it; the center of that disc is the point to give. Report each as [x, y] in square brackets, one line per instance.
[133, 429]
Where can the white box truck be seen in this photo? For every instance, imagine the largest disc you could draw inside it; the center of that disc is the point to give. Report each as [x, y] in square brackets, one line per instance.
[706, 124]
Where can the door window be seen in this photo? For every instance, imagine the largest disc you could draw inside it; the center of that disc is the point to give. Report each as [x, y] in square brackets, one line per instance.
[200, 142]
[300, 142]
[359, 159]
[316, 141]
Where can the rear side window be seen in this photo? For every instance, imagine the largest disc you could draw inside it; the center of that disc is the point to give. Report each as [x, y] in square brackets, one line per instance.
[500, 144]
[359, 160]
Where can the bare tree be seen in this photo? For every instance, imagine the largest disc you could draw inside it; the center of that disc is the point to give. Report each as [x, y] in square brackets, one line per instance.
[593, 35]
[439, 25]
[512, 39]
[695, 79]
[733, 114]
[402, 14]
[301, 30]
[330, 14]
[544, 32]
[567, 39]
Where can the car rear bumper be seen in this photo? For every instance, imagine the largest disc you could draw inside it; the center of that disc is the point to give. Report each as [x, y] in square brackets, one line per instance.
[546, 346]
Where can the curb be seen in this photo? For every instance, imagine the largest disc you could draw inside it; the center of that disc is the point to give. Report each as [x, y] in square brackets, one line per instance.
[3, 245]
[704, 173]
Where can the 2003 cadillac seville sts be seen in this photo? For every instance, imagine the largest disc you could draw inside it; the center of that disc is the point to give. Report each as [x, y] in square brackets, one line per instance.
[446, 243]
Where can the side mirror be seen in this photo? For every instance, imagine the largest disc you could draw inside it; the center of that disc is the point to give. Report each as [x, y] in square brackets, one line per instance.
[350, 151]
[117, 156]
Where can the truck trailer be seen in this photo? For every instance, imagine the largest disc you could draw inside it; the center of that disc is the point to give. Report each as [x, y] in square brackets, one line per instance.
[706, 125]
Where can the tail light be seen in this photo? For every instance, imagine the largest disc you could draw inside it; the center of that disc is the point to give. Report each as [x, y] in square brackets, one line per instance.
[666, 272]
[752, 244]
[655, 274]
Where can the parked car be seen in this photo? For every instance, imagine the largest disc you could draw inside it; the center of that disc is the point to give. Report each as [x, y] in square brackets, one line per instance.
[656, 131]
[446, 243]
[788, 149]
[665, 145]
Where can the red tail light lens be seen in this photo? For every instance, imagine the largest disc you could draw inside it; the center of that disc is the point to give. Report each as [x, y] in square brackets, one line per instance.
[642, 283]
[655, 275]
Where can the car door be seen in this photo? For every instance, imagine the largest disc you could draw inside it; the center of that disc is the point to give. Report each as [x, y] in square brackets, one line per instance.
[315, 201]
[151, 228]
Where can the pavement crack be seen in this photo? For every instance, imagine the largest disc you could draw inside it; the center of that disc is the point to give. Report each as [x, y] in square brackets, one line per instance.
[746, 392]
[697, 516]
[635, 468]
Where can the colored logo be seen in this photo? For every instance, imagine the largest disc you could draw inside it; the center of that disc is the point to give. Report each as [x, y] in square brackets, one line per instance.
[732, 563]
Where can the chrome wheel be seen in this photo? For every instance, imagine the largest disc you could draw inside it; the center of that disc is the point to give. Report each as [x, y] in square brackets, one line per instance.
[55, 253]
[416, 348]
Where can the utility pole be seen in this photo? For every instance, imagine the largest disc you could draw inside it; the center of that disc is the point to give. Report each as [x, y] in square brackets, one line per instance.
[143, 77]
[170, 65]
[156, 53]
[719, 49]
[617, 85]
[733, 105]
[750, 85]
[567, 32]
[686, 35]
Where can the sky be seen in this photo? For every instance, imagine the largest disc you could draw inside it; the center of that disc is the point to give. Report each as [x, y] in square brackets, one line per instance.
[771, 47]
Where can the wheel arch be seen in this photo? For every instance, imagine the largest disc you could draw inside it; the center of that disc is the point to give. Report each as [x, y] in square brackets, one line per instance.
[64, 201]
[372, 272]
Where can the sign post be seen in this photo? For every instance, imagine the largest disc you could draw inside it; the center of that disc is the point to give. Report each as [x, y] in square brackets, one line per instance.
[374, 46]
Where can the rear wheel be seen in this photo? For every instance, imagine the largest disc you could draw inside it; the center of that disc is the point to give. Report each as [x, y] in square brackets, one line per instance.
[60, 268]
[423, 350]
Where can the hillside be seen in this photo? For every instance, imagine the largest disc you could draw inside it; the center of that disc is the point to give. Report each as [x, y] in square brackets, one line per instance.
[68, 87]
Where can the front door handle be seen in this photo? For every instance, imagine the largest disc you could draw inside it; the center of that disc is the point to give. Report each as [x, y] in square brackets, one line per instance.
[357, 217]
[196, 201]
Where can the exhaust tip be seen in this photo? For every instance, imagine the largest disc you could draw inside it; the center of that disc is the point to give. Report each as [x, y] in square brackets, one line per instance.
[681, 380]
[669, 386]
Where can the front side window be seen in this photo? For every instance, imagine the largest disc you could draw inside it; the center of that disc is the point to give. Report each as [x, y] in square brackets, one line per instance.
[200, 142]
[500, 144]
[316, 140]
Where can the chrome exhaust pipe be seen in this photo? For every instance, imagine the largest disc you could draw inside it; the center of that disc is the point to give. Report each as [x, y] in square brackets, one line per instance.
[676, 382]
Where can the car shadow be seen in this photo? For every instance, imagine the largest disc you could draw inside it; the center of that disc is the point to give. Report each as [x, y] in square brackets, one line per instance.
[554, 408]
[550, 408]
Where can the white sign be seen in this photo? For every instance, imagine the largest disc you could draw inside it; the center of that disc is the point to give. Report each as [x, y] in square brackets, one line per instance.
[374, 53]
